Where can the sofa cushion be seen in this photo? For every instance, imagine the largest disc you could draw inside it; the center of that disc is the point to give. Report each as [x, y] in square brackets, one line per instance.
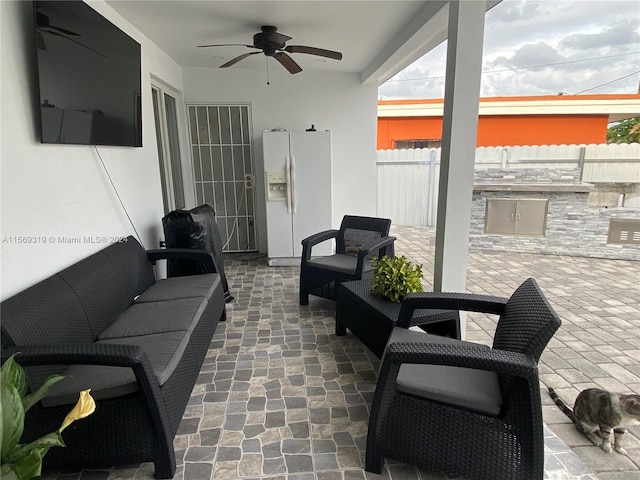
[464, 387]
[164, 351]
[181, 287]
[104, 382]
[157, 317]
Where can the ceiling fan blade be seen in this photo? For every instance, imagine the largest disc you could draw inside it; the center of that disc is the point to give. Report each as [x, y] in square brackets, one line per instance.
[321, 52]
[233, 61]
[227, 45]
[287, 62]
[276, 37]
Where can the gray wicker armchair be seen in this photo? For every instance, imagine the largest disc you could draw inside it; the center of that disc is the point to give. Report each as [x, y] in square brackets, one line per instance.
[462, 408]
[358, 240]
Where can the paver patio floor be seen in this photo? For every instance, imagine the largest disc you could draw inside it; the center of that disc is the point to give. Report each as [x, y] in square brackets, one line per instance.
[598, 344]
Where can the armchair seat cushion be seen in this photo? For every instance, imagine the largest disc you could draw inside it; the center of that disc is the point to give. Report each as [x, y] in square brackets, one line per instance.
[469, 388]
[338, 263]
[163, 349]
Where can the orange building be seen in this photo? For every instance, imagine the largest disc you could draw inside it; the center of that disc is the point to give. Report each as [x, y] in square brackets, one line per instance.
[531, 120]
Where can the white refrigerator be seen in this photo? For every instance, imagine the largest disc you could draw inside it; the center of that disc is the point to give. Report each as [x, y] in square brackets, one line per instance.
[298, 192]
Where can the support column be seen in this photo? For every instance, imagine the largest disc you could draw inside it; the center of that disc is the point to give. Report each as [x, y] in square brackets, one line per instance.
[459, 133]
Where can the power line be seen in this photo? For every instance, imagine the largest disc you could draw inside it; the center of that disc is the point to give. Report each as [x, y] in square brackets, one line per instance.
[520, 68]
[608, 83]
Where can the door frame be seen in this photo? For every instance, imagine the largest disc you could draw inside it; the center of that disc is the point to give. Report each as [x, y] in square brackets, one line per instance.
[165, 165]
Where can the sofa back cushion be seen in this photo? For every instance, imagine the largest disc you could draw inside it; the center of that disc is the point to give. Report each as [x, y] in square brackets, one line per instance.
[47, 312]
[107, 282]
[99, 288]
[130, 259]
[79, 302]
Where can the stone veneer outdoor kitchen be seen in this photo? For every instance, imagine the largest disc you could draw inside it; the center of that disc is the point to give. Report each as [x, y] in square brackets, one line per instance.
[573, 227]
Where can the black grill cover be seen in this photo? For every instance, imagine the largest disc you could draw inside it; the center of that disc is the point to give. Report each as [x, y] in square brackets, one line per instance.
[196, 228]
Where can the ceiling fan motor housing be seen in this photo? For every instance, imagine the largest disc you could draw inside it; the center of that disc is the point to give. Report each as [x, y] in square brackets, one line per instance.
[269, 40]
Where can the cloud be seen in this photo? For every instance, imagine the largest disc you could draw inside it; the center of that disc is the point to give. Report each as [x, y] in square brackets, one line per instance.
[541, 48]
[529, 55]
[513, 11]
[620, 34]
[414, 83]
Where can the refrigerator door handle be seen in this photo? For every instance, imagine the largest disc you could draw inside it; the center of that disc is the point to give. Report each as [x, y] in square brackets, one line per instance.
[292, 166]
[287, 168]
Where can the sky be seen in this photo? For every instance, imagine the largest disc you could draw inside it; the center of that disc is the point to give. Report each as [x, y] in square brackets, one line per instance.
[542, 47]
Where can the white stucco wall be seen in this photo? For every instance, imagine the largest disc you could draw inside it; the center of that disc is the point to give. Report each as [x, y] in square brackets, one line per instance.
[52, 191]
[330, 101]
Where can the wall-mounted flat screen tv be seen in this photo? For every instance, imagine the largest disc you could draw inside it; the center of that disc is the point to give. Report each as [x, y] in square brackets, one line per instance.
[89, 77]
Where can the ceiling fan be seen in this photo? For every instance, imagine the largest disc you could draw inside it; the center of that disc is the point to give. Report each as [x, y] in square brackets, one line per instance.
[273, 44]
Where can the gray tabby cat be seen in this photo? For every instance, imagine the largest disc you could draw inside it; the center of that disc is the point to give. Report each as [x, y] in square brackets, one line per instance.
[597, 412]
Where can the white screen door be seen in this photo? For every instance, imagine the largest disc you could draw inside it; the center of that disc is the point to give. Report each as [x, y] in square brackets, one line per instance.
[223, 170]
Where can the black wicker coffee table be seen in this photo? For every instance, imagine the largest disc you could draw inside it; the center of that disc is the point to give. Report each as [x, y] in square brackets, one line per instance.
[371, 318]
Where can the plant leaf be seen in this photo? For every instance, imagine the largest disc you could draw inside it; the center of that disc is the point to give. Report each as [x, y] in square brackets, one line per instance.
[12, 419]
[8, 473]
[42, 445]
[33, 398]
[395, 277]
[12, 373]
[30, 467]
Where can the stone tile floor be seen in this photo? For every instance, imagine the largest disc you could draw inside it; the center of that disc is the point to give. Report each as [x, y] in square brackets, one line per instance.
[281, 397]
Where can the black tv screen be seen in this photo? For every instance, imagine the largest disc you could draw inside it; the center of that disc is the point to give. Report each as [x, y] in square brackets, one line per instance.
[89, 77]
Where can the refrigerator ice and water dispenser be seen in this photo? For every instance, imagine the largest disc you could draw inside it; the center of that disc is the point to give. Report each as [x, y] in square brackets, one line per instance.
[276, 186]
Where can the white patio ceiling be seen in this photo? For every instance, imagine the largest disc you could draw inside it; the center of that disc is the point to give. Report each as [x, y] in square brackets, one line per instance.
[377, 38]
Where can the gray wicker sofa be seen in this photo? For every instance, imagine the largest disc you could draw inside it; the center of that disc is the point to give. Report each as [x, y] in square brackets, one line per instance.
[107, 324]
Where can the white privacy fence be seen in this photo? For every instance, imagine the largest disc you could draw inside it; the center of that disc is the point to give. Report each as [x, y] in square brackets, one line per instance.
[408, 179]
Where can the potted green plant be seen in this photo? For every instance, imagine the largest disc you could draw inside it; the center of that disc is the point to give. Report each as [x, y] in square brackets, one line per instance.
[24, 462]
[395, 277]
